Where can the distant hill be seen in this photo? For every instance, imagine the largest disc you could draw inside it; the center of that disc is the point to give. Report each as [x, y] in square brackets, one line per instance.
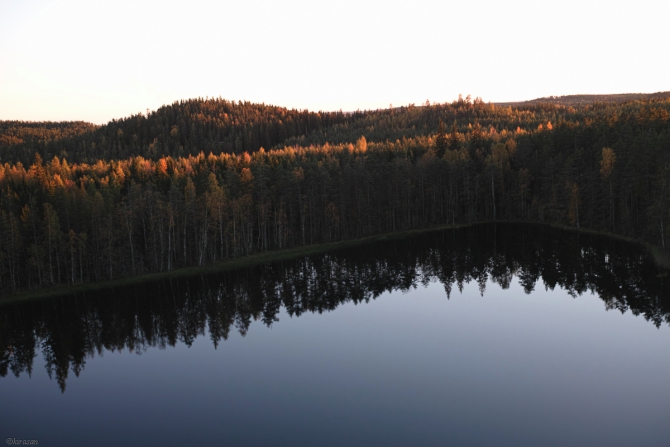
[182, 128]
[581, 100]
[216, 125]
[40, 133]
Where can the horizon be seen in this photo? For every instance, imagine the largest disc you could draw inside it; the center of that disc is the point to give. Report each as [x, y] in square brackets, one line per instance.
[519, 102]
[62, 63]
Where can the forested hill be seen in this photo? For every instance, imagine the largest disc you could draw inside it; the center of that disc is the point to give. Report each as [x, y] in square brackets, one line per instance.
[582, 100]
[218, 126]
[124, 201]
[182, 128]
[20, 140]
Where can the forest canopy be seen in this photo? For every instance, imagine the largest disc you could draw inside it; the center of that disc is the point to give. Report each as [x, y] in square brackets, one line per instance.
[204, 180]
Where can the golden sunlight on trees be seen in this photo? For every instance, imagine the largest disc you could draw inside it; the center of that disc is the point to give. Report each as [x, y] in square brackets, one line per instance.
[361, 145]
[151, 194]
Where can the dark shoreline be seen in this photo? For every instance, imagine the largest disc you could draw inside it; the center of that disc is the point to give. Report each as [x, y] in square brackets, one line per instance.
[661, 259]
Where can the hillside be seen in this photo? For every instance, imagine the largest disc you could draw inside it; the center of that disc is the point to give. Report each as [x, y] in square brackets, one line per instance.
[582, 100]
[219, 126]
[185, 187]
[182, 128]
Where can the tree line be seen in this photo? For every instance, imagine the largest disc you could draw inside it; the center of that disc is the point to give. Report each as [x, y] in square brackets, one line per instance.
[604, 166]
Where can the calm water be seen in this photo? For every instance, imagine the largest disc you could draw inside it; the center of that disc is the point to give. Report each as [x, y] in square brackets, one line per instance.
[493, 335]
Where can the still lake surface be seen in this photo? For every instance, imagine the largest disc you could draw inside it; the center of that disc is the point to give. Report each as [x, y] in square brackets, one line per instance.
[490, 335]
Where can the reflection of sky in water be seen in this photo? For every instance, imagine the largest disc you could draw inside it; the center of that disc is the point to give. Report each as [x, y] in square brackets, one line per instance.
[405, 369]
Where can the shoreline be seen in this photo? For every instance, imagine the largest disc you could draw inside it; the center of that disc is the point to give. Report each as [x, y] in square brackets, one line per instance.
[659, 256]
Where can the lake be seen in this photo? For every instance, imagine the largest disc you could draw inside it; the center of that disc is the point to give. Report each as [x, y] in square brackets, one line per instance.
[502, 335]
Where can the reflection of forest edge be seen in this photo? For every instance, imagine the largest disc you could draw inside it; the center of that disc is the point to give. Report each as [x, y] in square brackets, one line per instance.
[162, 313]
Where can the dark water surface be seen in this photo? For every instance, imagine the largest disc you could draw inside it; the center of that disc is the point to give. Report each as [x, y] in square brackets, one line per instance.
[505, 335]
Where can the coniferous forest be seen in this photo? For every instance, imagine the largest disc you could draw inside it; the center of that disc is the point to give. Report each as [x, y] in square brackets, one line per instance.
[205, 180]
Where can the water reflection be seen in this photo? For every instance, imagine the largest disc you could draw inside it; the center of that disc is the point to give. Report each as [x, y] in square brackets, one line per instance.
[68, 330]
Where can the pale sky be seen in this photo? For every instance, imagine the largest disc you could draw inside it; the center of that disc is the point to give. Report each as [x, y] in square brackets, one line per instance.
[95, 60]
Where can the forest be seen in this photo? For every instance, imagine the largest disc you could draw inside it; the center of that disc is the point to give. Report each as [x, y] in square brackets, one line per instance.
[205, 180]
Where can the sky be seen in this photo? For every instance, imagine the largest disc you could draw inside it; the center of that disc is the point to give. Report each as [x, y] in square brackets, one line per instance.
[99, 60]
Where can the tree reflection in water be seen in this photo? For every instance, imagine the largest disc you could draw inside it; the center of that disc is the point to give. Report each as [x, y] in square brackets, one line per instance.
[158, 314]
